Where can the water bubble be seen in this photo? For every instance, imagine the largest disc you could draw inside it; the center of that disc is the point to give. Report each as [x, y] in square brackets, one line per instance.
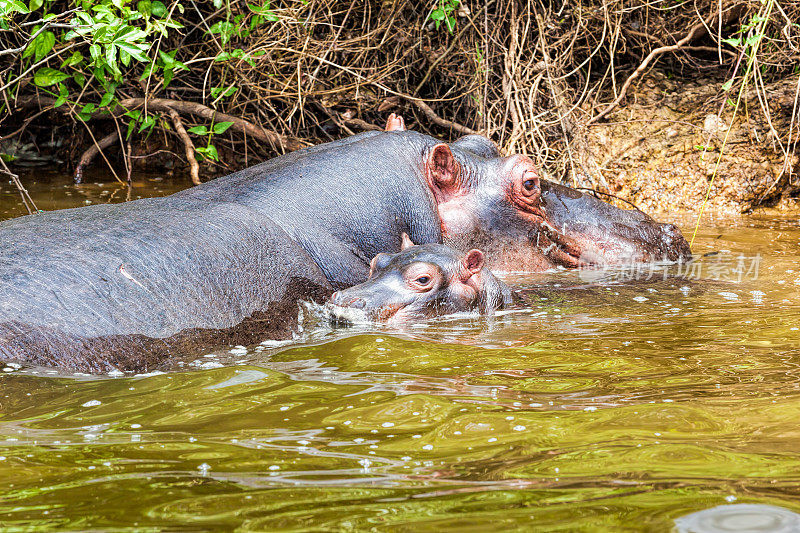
[91, 403]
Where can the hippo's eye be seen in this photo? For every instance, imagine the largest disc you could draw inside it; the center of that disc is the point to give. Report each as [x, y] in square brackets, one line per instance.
[529, 184]
[423, 280]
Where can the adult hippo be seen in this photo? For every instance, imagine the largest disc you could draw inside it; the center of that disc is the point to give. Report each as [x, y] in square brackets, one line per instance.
[126, 286]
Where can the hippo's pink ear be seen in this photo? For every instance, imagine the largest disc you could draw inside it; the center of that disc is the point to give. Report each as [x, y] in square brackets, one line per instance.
[406, 242]
[444, 173]
[473, 261]
[395, 123]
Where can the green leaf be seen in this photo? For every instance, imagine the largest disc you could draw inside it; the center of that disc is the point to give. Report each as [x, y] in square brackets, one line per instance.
[106, 99]
[209, 152]
[89, 108]
[222, 127]
[131, 126]
[133, 113]
[63, 94]
[148, 71]
[159, 9]
[223, 91]
[145, 7]
[751, 40]
[727, 85]
[737, 42]
[135, 50]
[166, 58]
[47, 76]
[198, 130]
[167, 77]
[35, 4]
[12, 6]
[148, 122]
[72, 60]
[79, 78]
[212, 152]
[124, 57]
[40, 46]
[95, 52]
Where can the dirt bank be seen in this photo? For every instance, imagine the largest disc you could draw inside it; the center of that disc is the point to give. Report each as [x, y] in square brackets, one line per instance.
[661, 150]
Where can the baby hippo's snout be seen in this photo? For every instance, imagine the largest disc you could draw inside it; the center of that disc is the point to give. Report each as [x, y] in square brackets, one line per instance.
[422, 282]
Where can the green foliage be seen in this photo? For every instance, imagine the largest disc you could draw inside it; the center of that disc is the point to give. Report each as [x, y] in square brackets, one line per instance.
[445, 11]
[41, 45]
[101, 45]
[210, 151]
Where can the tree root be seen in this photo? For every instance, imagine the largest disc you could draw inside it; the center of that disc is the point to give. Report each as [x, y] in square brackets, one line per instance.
[93, 151]
[194, 168]
[174, 108]
[277, 141]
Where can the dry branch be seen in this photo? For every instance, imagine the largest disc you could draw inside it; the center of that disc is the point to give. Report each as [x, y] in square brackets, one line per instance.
[689, 37]
[436, 119]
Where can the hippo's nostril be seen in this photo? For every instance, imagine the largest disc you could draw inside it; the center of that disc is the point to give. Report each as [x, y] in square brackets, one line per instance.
[357, 303]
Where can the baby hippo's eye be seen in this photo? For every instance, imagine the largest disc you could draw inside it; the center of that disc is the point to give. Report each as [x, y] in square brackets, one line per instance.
[422, 277]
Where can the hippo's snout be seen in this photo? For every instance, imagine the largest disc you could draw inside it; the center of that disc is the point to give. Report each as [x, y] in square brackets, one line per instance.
[346, 300]
[675, 246]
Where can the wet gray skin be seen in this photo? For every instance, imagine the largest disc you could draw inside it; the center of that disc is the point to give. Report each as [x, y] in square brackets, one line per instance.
[422, 282]
[524, 223]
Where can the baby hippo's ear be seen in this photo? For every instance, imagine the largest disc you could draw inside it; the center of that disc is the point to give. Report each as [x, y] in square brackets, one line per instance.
[473, 262]
[406, 242]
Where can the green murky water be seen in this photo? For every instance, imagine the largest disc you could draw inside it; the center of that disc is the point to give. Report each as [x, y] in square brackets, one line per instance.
[605, 404]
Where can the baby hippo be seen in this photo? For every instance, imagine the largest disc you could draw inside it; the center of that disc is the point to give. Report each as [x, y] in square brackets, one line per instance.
[422, 282]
